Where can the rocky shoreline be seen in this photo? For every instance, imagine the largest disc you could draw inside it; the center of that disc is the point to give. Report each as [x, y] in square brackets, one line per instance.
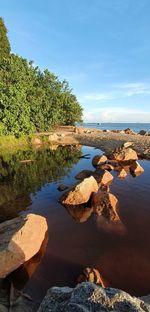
[105, 140]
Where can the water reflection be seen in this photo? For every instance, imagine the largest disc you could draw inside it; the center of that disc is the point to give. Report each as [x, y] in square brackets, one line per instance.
[19, 179]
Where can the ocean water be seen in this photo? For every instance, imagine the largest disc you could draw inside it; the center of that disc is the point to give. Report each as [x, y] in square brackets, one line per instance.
[119, 126]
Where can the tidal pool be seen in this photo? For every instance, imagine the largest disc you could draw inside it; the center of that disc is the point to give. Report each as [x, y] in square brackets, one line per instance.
[76, 240]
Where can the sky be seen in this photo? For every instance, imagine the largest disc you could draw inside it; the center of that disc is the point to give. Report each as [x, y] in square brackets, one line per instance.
[102, 47]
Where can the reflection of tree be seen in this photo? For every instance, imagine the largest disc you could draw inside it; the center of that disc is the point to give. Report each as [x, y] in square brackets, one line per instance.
[18, 180]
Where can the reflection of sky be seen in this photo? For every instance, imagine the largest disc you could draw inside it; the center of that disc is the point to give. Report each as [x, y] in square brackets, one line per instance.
[102, 47]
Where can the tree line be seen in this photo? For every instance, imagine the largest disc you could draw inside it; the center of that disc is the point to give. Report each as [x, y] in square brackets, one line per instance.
[32, 100]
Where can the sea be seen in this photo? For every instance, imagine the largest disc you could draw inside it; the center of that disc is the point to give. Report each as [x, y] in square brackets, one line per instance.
[118, 126]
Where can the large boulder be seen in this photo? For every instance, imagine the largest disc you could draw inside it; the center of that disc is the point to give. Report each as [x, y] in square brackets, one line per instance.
[20, 240]
[125, 154]
[81, 214]
[87, 297]
[106, 205]
[80, 193]
[99, 160]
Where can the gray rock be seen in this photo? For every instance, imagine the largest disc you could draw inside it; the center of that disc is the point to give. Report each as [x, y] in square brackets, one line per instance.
[88, 297]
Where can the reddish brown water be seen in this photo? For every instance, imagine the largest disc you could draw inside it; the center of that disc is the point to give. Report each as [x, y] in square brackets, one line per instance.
[121, 253]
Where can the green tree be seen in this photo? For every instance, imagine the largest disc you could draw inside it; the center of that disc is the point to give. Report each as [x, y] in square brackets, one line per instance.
[4, 42]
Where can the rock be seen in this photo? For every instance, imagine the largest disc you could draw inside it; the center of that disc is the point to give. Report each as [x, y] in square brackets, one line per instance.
[91, 275]
[103, 177]
[80, 193]
[128, 131]
[122, 173]
[143, 132]
[87, 297]
[36, 141]
[62, 187]
[127, 144]
[108, 167]
[20, 240]
[84, 174]
[125, 154]
[99, 160]
[53, 137]
[105, 204]
[136, 168]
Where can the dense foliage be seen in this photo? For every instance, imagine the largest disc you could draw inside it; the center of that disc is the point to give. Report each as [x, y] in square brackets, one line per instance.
[32, 100]
[4, 42]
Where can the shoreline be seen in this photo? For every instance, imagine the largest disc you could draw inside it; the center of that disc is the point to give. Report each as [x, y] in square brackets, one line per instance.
[106, 141]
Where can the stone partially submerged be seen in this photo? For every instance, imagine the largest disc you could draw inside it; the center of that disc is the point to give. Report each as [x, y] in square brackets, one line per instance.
[80, 193]
[136, 168]
[99, 160]
[103, 177]
[124, 155]
[20, 241]
[88, 297]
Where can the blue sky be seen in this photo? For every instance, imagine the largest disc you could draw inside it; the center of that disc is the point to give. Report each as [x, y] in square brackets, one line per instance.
[102, 47]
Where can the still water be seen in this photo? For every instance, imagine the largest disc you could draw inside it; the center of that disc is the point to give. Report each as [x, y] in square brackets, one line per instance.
[121, 252]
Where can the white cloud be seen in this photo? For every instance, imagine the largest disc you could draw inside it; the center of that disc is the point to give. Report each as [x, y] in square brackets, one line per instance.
[117, 91]
[116, 114]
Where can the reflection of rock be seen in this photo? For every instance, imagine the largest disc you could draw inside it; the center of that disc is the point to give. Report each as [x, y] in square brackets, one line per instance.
[53, 137]
[122, 173]
[80, 214]
[62, 187]
[116, 227]
[90, 297]
[91, 275]
[99, 160]
[53, 147]
[136, 169]
[103, 177]
[20, 239]
[124, 154]
[80, 193]
[84, 174]
[105, 204]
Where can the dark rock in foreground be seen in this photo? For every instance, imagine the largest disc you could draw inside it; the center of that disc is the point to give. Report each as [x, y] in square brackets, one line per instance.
[88, 297]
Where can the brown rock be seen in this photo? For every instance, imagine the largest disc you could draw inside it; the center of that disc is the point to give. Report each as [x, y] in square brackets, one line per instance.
[128, 131]
[127, 144]
[80, 193]
[126, 154]
[108, 167]
[91, 275]
[136, 168]
[103, 177]
[105, 204]
[20, 240]
[122, 173]
[99, 160]
[53, 137]
[84, 174]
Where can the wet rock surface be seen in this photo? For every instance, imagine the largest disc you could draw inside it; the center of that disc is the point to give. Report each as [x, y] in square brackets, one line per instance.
[20, 241]
[87, 297]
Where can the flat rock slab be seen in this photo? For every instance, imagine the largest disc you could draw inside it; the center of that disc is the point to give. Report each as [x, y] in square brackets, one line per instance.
[87, 297]
[20, 240]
